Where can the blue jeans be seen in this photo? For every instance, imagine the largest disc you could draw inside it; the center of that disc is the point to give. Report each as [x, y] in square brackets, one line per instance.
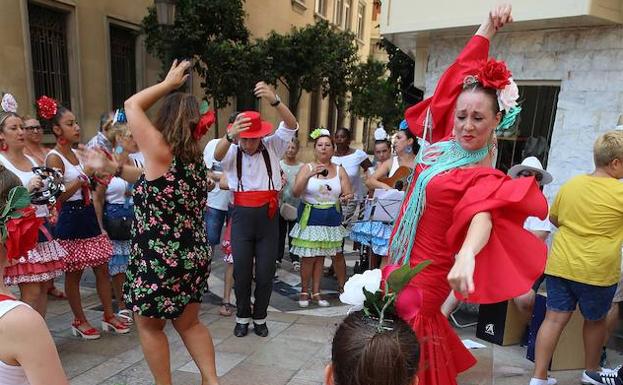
[214, 221]
[563, 295]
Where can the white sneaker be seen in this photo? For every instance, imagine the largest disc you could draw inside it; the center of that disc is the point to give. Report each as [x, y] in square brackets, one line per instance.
[538, 381]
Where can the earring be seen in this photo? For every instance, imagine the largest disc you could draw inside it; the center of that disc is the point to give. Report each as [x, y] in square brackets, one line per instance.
[4, 146]
[62, 141]
[118, 150]
[408, 149]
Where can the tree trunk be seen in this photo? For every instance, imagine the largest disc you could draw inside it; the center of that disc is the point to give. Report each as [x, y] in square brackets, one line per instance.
[216, 135]
[294, 97]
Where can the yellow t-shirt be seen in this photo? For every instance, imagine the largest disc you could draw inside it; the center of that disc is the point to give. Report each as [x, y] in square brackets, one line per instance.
[587, 246]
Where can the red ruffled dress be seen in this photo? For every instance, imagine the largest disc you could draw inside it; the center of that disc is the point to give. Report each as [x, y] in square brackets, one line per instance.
[505, 268]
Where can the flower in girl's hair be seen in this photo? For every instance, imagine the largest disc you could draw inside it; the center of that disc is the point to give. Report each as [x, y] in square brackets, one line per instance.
[384, 294]
[47, 107]
[318, 132]
[8, 103]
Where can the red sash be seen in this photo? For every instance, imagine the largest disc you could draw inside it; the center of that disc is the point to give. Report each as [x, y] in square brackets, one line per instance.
[258, 199]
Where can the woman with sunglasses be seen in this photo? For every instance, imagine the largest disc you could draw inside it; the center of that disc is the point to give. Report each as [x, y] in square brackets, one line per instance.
[37, 151]
[319, 233]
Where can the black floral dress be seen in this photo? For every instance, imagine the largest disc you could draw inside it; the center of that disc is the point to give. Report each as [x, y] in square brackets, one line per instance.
[169, 261]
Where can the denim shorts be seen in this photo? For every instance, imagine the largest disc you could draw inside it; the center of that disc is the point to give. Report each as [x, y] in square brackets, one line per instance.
[76, 221]
[214, 221]
[563, 295]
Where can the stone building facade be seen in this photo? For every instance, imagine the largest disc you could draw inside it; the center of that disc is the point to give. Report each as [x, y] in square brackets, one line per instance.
[587, 64]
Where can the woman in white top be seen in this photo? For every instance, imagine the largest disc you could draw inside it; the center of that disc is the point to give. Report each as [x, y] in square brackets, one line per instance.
[77, 229]
[290, 166]
[27, 352]
[319, 232]
[31, 272]
[114, 207]
[374, 233]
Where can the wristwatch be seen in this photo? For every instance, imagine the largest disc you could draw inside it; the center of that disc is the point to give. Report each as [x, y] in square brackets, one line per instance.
[277, 101]
[229, 138]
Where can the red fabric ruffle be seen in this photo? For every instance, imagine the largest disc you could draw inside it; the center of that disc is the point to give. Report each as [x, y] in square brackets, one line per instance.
[513, 258]
[85, 253]
[442, 354]
[32, 272]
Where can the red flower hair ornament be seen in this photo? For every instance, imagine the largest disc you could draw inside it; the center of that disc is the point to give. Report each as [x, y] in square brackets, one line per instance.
[19, 226]
[47, 107]
[494, 74]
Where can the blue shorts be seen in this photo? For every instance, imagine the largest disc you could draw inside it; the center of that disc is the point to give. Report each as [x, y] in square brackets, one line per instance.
[76, 221]
[563, 295]
[214, 221]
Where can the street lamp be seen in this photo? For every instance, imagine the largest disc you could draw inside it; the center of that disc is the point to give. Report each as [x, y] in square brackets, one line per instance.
[165, 10]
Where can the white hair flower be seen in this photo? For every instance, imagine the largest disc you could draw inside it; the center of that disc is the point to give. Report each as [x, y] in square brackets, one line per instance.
[507, 97]
[8, 103]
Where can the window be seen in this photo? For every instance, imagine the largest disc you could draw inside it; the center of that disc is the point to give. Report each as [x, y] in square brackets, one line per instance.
[321, 7]
[538, 103]
[361, 18]
[347, 25]
[338, 12]
[48, 43]
[122, 64]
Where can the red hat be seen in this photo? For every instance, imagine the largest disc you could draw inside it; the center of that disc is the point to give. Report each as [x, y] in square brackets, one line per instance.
[259, 128]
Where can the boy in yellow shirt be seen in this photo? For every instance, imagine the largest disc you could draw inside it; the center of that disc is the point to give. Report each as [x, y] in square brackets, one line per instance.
[584, 263]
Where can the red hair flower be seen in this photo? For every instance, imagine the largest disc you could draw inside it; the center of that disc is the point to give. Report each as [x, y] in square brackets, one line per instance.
[494, 74]
[206, 121]
[47, 107]
[23, 233]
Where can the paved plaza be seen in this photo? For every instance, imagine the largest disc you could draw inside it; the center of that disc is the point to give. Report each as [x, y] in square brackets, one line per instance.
[295, 352]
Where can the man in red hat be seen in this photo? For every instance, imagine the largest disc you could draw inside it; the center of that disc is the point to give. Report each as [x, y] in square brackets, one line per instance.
[253, 173]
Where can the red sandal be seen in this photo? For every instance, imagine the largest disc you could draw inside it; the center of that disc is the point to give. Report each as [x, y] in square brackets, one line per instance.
[113, 324]
[88, 334]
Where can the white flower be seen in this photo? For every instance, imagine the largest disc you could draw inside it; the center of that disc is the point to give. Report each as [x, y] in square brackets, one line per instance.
[507, 97]
[353, 289]
[8, 103]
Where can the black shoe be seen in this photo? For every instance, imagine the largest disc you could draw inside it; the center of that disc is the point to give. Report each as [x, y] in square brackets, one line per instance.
[241, 330]
[260, 329]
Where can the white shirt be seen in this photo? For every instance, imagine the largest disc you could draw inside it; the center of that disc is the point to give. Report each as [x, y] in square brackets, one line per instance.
[217, 198]
[254, 175]
[536, 224]
[352, 164]
[10, 374]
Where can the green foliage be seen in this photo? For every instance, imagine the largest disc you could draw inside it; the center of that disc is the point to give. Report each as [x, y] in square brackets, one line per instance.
[314, 57]
[400, 277]
[374, 95]
[211, 32]
[18, 199]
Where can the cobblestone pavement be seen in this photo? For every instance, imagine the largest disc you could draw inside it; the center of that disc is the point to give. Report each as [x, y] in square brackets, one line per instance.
[295, 353]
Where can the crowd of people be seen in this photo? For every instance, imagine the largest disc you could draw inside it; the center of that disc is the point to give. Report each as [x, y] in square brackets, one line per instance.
[146, 208]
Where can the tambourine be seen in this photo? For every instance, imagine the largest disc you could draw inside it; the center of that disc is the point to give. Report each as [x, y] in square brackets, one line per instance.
[52, 186]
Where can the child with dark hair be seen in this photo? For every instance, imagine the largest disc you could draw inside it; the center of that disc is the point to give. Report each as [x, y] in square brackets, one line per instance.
[361, 354]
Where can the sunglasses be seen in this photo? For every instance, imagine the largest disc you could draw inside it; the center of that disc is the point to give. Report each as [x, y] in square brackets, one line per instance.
[537, 175]
[32, 128]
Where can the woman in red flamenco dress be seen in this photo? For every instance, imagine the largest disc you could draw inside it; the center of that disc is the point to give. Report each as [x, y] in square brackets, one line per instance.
[460, 213]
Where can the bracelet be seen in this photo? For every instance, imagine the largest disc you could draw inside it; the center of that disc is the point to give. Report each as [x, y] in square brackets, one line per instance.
[277, 101]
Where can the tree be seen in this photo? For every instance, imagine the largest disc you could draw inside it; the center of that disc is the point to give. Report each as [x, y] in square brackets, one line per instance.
[401, 72]
[341, 51]
[299, 59]
[212, 33]
[374, 95]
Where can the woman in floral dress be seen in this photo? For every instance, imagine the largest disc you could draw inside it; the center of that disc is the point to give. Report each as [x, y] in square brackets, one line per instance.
[169, 261]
